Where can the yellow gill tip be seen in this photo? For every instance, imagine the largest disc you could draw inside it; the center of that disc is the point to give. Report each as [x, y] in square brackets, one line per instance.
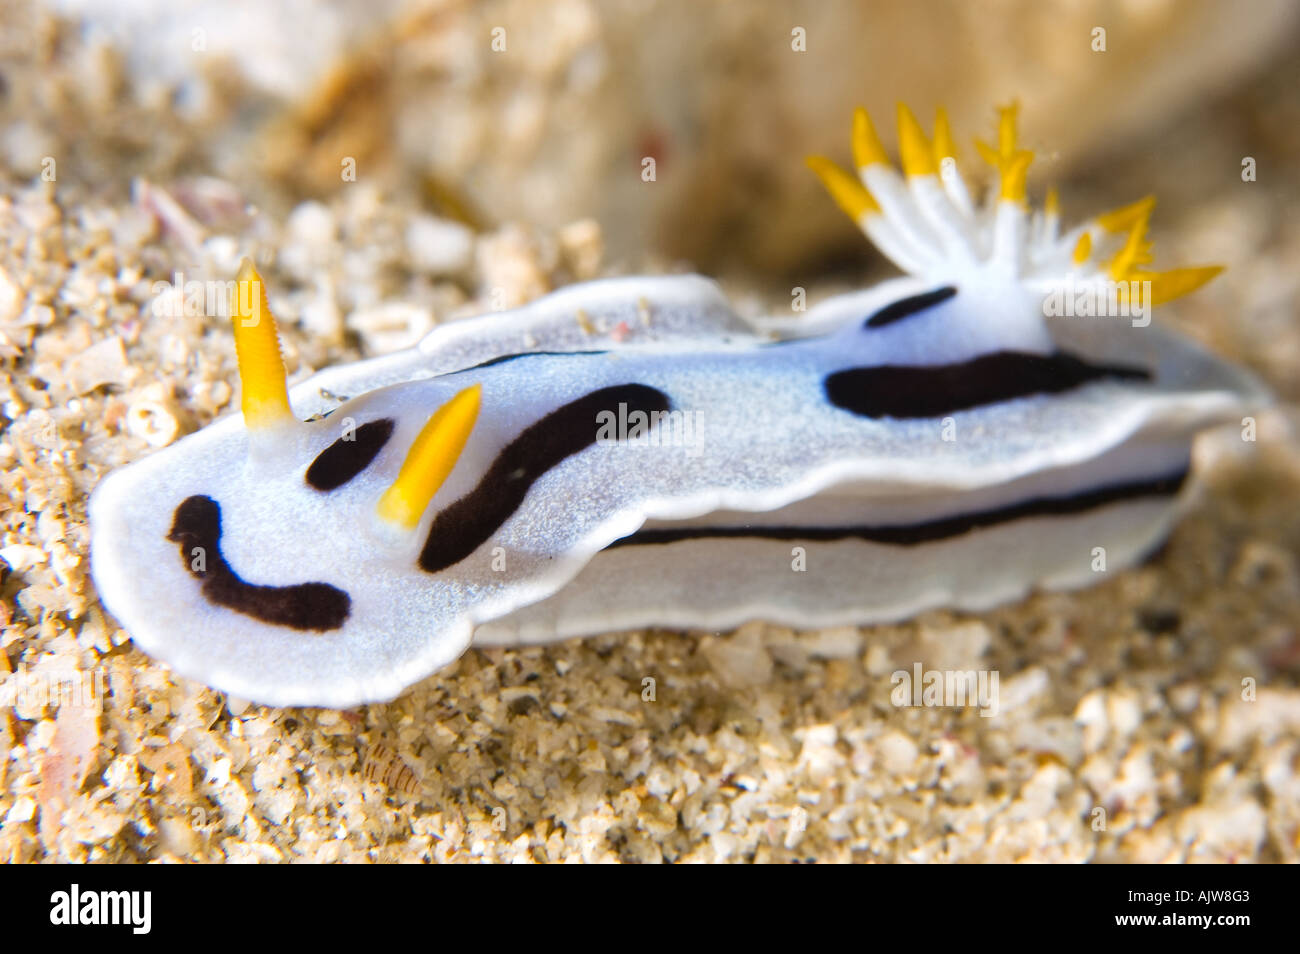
[1007, 116]
[1052, 204]
[1011, 162]
[915, 149]
[1082, 249]
[944, 146]
[1124, 218]
[431, 458]
[1136, 249]
[1014, 174]
[867, 150]
[265, 395]
[849, 194]
[1175, 283]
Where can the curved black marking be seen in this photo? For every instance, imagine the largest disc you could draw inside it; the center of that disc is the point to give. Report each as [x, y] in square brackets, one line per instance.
[504, 358]
[929, 531]
[347, 457]
[463, 526]
[315, 606]
[905, 391]
[904, 307]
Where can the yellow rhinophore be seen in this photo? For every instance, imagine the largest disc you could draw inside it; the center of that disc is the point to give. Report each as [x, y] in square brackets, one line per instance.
[257, 349]
[432, 456]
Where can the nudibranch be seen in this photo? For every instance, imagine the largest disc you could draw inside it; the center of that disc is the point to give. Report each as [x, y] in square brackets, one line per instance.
[629, 452]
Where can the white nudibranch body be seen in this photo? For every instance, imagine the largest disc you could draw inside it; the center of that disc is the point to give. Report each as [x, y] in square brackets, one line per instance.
[630, 453]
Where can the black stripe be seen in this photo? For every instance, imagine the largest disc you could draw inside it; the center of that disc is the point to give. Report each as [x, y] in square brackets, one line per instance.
[929, 531]
[316, 606]
[898, 310]
[906, 391]
[349, 455]
[466, 524]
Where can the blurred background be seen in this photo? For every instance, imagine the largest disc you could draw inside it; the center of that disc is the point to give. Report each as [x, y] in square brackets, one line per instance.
[474, 116]
[507, 110]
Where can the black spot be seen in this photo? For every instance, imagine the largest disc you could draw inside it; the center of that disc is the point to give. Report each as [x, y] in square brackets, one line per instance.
[522, 706]
[898, 310]
[910, 534]
[905, 391]
[345, 458]
[1158, 621]
[464, 525]
[314, 606]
